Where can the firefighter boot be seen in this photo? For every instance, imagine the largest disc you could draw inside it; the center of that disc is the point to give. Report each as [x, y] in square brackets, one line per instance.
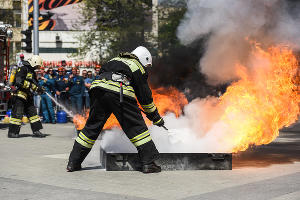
[77, 156]
[13, 135]
[38, 134]
[151, 168]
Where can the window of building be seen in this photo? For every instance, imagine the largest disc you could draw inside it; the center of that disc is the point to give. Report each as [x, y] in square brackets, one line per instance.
[6, 15]
[18, 47]
[17, 18]
[17, 5]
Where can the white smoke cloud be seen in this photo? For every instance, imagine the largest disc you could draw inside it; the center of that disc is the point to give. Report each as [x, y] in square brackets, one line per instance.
[228, 23]
[196, 132]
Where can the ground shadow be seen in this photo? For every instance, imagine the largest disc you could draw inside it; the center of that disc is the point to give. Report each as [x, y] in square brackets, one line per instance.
[25, 135]
[285, 149]
[92, 168]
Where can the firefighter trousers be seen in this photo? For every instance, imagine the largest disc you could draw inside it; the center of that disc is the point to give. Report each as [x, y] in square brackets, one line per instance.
[21, 107]
[103, 104]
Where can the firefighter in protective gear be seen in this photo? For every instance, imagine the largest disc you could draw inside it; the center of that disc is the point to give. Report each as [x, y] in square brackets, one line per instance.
[121, 81]
[26, 84]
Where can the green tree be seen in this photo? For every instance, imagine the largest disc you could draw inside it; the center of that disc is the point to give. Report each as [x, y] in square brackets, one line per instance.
[116, 26]
[170, 16]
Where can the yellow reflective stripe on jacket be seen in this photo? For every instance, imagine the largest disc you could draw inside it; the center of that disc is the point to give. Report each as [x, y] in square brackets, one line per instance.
[133, 64]
[140, 136]
[149, 108]
[26, 84]
[22, 94]
[33, 119]
[114, 86]
[86, 139]
[143, 141]
[139, 65]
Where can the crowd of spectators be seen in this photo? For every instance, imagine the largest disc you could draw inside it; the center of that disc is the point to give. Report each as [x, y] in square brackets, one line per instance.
[69, 87]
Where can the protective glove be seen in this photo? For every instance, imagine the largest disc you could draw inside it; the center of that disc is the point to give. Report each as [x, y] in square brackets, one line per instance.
[159, 122]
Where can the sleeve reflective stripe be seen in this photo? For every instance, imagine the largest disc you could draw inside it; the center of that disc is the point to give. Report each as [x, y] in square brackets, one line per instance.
[83, 143]
[26, 84]
[133, 64]
[33, 86]
[149, 108]
[143, 141]
[111, 85]
[140, 136]
[157, 121]
[148, 105]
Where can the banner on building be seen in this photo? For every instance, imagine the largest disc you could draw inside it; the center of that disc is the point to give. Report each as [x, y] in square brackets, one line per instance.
[57, 15]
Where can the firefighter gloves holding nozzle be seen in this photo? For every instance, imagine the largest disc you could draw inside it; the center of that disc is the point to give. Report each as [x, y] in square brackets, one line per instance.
[160, 122]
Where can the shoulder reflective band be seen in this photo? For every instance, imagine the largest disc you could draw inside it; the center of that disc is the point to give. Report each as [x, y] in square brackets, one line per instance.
[149, 108]
[114, 86]
[33, 119]
[34, 87]
[133, 64]
[85, 141]
[141, 139]
[15, 121]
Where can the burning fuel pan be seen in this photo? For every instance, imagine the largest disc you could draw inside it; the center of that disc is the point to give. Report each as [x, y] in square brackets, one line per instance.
[117, 153]
[168, 161]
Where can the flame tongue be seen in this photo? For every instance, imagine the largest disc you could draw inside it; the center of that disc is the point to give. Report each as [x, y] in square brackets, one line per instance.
[166, 100]
[263, 100]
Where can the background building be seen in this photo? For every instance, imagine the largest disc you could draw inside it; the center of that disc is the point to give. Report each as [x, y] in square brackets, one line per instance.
[11, 13]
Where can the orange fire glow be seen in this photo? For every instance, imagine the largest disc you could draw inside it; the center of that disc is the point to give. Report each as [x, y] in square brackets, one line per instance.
[165, 99]
[263, 101]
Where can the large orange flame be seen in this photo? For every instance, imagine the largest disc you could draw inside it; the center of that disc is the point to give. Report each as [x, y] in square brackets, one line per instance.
[263, 101]
[165, 99]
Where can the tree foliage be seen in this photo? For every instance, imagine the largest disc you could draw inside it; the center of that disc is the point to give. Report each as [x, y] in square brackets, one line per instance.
[116, 26]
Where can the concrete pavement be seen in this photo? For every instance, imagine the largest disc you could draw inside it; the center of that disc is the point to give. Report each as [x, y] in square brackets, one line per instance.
[34, 168]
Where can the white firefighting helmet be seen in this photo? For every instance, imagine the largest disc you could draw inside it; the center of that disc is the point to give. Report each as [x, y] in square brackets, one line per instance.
[35, 61]
[144, 55]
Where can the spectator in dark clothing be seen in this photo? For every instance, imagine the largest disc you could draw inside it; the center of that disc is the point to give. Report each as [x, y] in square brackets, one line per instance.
[97, 70]
[62, 87]
[47, 81]
[76, 84]
[87, 83]
[90, 75]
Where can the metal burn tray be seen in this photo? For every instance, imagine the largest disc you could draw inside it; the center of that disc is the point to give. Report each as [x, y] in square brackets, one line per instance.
[168, 161]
